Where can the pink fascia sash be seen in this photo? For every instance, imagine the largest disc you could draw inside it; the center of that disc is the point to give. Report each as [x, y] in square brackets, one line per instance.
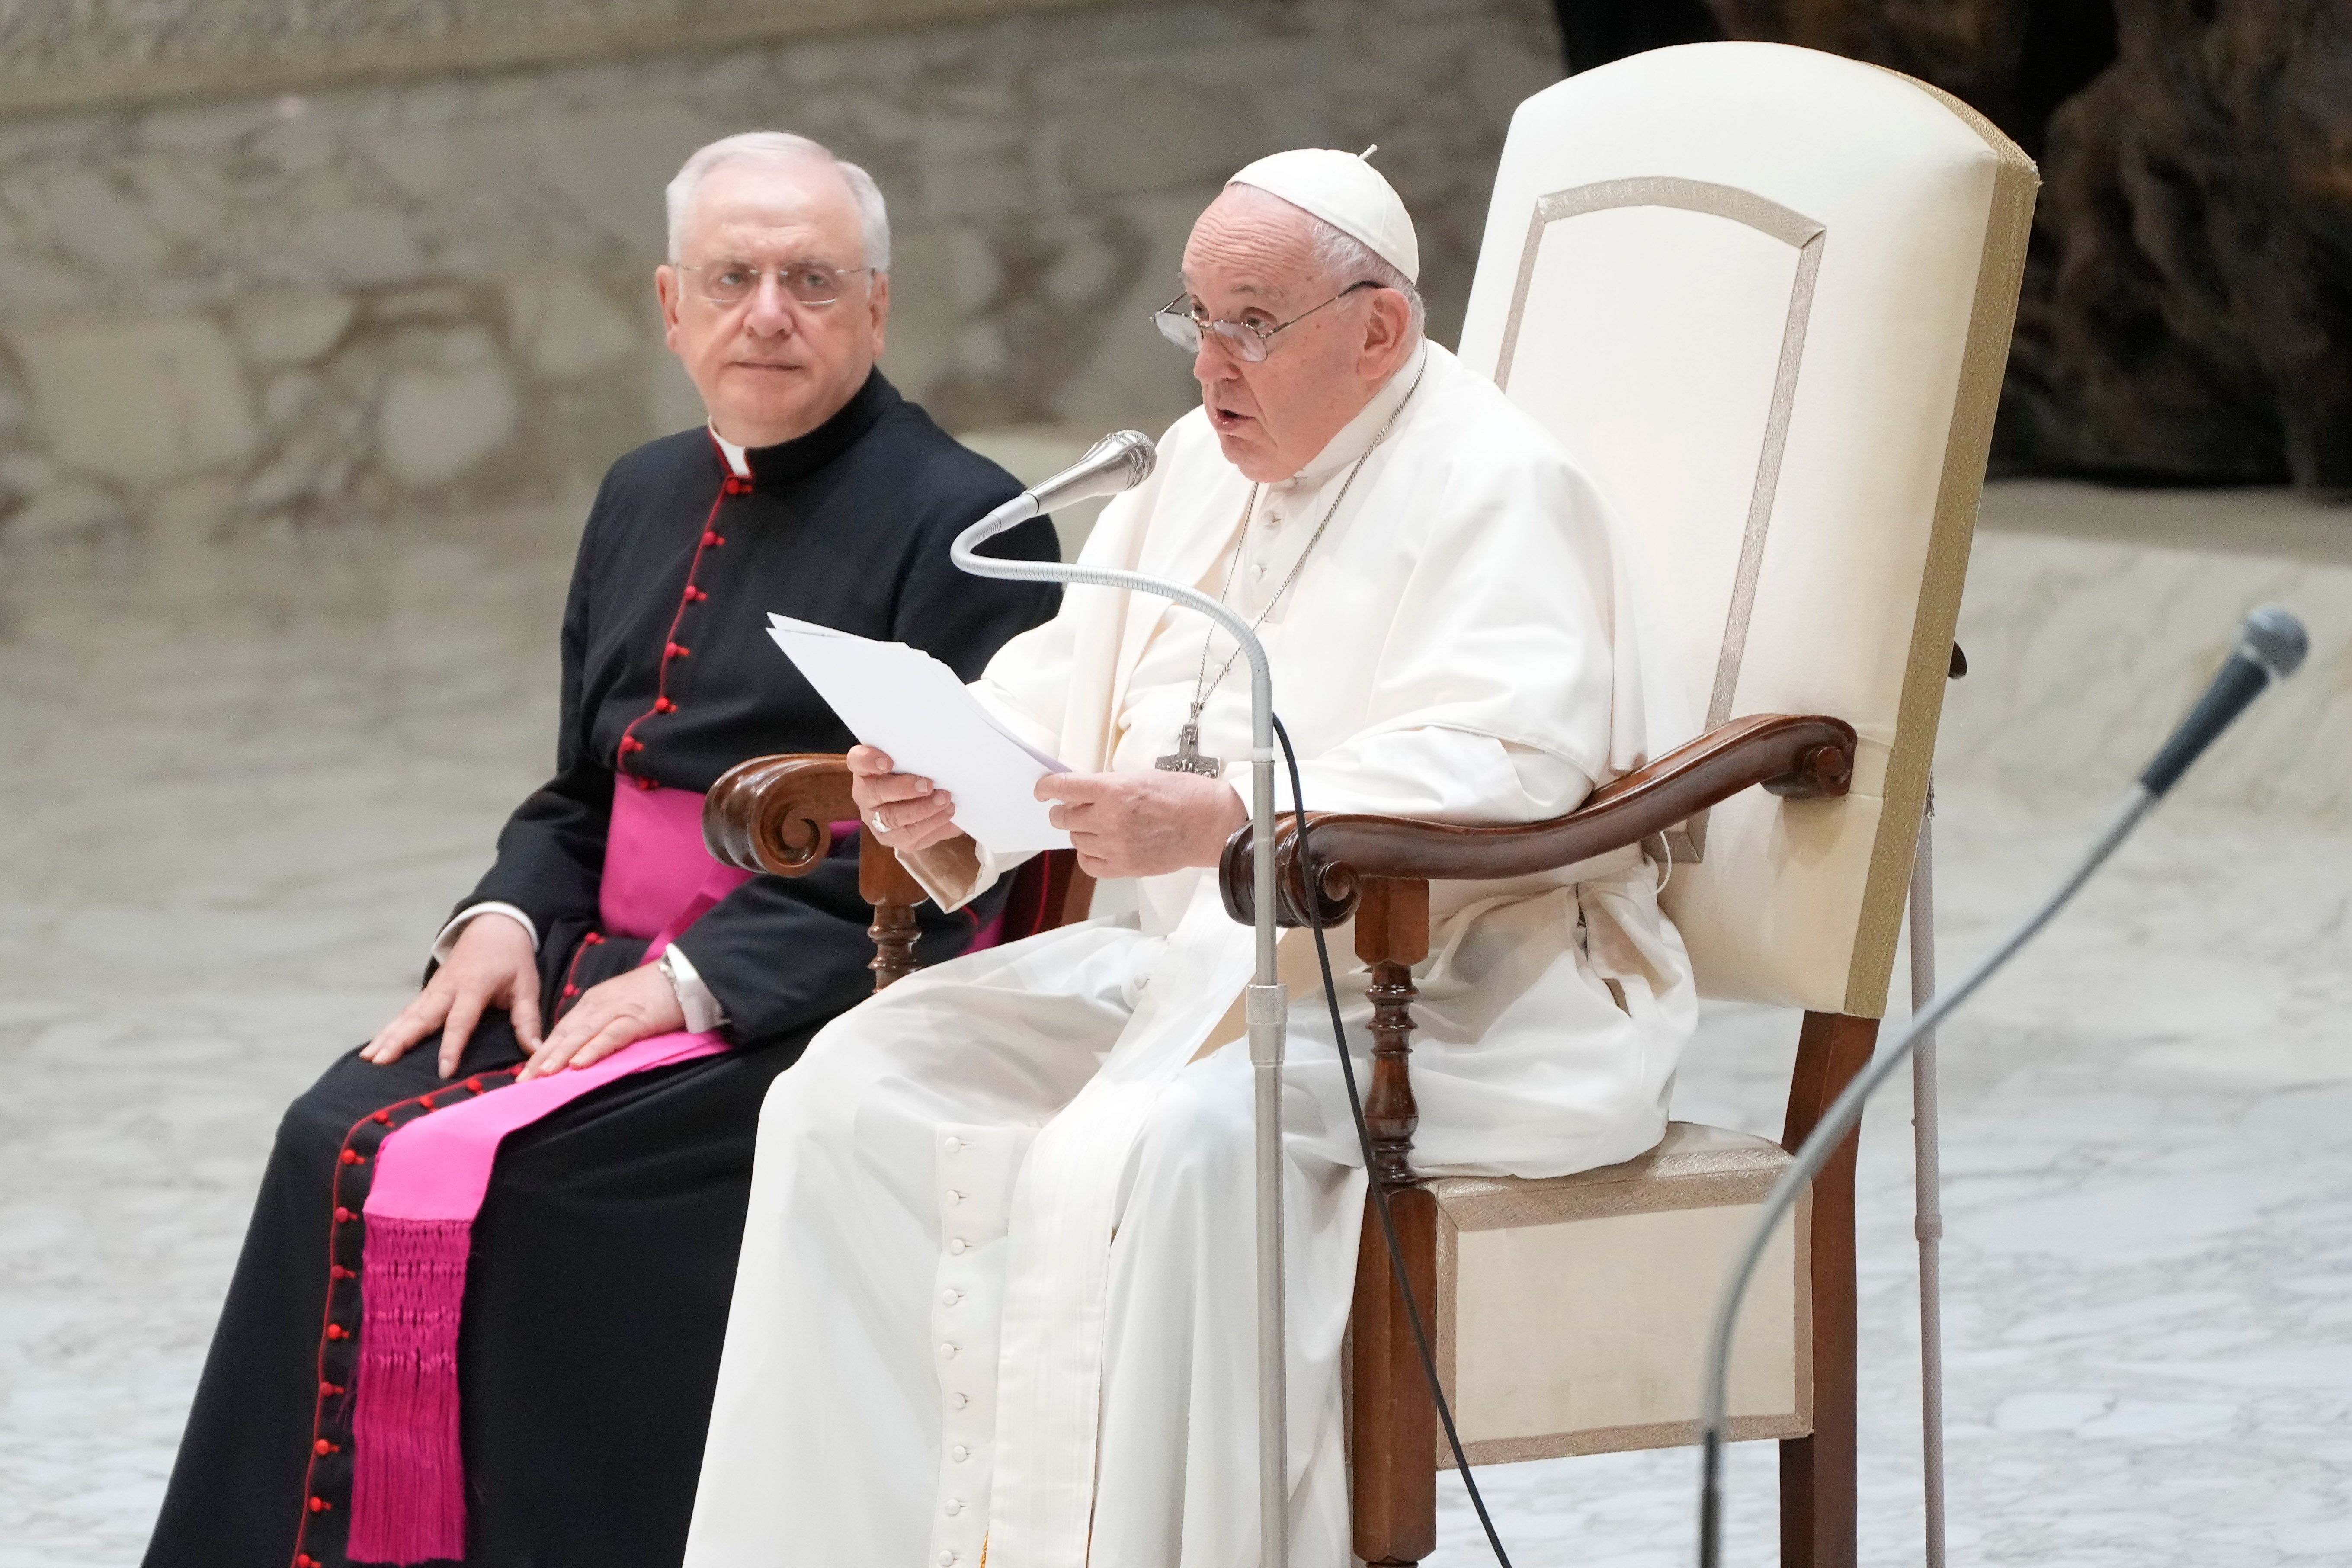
[408, 1483]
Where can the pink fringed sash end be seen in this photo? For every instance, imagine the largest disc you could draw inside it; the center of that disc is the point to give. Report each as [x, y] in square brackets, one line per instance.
[408, 1480]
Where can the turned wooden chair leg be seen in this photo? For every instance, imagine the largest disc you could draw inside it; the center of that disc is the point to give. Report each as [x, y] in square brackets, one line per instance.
[1818, 1497]
[1393, 1456]
[894, 893]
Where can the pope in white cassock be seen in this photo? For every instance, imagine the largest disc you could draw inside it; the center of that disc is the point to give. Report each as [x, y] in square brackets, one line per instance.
[996, 1287]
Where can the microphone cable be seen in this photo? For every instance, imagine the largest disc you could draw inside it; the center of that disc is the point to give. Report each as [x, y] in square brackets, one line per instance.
[1364, 1143]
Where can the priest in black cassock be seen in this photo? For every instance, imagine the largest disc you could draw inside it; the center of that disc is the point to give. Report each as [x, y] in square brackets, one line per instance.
[596, 1273]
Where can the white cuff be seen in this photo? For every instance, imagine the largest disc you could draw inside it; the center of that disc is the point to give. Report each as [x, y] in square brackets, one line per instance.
[955, 873]
[703, 1013]
[447, 939]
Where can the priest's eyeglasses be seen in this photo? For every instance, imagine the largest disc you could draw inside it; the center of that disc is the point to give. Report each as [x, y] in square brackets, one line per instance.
[810, 282]
[1182, 325]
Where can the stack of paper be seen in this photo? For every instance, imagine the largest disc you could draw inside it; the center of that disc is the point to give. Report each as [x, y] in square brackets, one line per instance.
[902, 700]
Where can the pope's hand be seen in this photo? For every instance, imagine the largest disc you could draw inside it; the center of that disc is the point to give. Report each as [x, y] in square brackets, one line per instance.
[904, 810]
[1143, 824]
[492, 965]
[620, 1012]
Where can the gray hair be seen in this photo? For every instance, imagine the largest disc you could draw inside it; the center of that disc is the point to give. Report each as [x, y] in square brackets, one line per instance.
[779, 146]
[1347, 260]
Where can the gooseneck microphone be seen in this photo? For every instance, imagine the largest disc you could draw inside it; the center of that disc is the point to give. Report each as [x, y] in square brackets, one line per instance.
[1120, 462]
[1116, 463]
[2270, 647]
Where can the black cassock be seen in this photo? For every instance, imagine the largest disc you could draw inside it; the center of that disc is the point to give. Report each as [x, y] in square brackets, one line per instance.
[603, 1257]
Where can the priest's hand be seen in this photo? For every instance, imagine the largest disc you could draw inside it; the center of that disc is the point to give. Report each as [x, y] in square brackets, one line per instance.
[620, 1012]
[492, 965]
[902, 809]
[1143, 824]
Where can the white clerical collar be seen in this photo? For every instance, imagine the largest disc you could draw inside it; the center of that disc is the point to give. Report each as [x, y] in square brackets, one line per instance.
[740, 465]
[1356, 437]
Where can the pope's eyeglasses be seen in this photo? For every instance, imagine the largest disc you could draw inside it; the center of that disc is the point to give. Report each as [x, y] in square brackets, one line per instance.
[809, 282]
[1183, 325]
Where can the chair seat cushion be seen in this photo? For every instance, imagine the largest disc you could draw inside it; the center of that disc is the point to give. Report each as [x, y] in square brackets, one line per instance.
[1572, 1311]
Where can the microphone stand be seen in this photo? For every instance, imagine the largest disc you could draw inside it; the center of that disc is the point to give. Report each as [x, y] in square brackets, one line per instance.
[1116, 463]
[1840, 1119]
[2271, 646]
[1926, 1164]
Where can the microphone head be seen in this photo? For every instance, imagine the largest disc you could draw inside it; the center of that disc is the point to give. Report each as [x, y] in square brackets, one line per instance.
[2274, 639]
[1119, 461]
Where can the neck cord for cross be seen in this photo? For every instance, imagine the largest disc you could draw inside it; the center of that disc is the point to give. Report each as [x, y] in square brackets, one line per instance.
[1187, 757]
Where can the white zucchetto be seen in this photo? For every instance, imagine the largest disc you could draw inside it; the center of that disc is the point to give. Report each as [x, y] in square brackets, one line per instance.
[1345, 191]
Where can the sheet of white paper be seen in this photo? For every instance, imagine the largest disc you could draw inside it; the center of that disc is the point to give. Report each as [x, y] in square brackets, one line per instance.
[909, 704]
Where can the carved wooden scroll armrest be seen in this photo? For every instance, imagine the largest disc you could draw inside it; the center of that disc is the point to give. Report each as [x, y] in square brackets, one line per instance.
[1797, 757]
[775, 814]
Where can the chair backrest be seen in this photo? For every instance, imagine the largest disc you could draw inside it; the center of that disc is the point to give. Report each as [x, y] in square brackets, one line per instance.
[1764, 295]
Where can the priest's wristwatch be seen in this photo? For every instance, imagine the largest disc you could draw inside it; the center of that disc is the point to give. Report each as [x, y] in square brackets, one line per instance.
[700, 1008]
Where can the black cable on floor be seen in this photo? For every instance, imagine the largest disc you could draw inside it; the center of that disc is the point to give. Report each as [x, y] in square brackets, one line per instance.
[1364, 1140]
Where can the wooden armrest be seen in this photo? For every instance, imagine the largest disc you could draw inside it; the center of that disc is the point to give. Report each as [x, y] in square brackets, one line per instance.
[1796, 757]
[775, 813]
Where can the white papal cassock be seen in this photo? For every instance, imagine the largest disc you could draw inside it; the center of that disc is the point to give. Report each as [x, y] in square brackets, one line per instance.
[996, 1281]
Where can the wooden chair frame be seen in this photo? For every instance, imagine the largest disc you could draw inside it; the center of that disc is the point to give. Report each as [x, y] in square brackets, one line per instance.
[775, 814]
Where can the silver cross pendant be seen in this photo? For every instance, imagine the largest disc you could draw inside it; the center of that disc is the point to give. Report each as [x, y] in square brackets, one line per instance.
[1187, 758]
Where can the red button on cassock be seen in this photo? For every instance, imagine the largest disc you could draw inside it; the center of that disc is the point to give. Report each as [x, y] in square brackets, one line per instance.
[475, 1084]
[696, 595]
[708, 538]
[322, 1446]
[593, 939]
[426, 1102]
[342, 1215]
[340, 1272]
[572, 991]
[329, 1390]
[663, 705]
[381, 1116]
[335, 1332]
[319, 1505]
[351, 1157]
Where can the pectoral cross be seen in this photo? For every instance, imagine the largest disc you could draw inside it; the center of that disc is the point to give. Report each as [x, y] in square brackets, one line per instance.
[1187, 758]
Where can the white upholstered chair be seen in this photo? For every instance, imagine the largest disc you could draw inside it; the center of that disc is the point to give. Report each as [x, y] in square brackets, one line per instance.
[1765, 296]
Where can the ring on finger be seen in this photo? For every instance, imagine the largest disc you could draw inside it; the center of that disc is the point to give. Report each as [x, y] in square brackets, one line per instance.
[879, 825]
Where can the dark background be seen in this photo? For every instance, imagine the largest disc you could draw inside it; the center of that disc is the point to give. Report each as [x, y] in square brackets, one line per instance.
[2187, 316]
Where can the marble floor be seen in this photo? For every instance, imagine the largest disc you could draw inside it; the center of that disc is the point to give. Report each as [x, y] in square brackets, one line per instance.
[242, 781]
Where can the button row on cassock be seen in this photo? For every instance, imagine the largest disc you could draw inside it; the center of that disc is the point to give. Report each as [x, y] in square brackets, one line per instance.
[952, 1294]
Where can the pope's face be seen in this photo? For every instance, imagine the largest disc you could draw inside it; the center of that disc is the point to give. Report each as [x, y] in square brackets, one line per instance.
[770, 367]
[1251, 259]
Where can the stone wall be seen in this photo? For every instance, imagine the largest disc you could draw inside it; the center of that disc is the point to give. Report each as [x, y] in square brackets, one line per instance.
[437, 292]
[2095, 617]
[80, 53]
